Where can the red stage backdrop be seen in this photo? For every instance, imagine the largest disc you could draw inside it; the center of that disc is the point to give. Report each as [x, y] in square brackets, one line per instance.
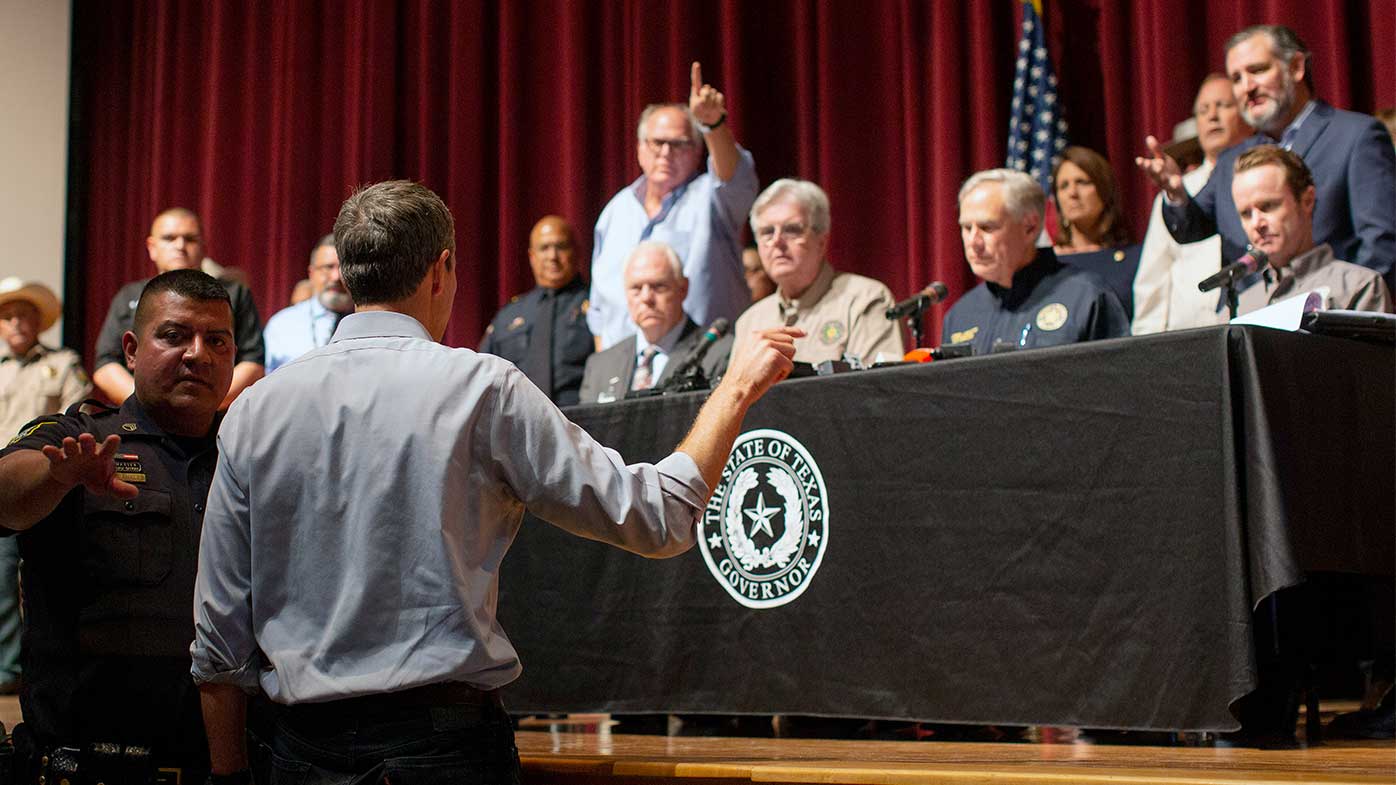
[262, 116]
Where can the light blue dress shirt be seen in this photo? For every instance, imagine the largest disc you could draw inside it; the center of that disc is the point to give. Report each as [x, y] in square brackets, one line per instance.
[364, 498]
[702, 221]
[293, 331]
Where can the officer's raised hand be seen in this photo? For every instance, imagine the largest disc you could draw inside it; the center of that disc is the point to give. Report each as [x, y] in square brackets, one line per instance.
[82, 461]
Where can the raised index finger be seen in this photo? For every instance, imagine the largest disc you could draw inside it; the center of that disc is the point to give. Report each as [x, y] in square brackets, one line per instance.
[695, 75]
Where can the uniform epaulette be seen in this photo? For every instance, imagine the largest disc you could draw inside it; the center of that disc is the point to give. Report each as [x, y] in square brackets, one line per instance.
[97, 408]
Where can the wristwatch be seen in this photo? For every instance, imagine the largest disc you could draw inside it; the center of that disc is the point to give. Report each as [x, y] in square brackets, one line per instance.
[707, 129]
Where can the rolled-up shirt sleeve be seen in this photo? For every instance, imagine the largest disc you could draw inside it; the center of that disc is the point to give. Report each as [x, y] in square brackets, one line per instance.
[565, 477]
[225, 650]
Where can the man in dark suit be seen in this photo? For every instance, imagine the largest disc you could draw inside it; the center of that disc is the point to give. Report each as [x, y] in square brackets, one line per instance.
[1349, 154]
[655, 288]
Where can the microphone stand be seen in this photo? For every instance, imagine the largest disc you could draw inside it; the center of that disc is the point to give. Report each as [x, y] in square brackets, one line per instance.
[1232, 298]
[916, 317]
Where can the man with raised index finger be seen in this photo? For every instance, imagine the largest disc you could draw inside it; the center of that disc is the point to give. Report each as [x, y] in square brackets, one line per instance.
[697, 210]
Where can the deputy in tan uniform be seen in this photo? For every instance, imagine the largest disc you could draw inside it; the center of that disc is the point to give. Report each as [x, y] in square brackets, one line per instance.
[841, 313]
[34, 379]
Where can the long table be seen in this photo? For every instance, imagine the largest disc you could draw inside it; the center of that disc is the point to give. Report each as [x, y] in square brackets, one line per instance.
[1068, 536]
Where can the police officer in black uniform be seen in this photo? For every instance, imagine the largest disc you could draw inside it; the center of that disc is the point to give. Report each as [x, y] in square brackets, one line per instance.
[544, 332]
[1028, 298]
[108, 508]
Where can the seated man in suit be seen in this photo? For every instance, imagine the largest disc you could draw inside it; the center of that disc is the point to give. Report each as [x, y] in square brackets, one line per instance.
[1274, 195]
[655, 288]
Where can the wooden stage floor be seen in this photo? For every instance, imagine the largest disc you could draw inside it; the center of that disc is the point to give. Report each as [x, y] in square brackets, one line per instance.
[595, 758]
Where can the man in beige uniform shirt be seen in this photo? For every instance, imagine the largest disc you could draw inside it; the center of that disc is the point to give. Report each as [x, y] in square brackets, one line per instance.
[841, 313]
[1274, 194]
[34, 380]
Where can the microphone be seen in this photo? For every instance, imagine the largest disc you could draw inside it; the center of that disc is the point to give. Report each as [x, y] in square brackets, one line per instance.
[1250, 262]
[678, 379]
[919, 302]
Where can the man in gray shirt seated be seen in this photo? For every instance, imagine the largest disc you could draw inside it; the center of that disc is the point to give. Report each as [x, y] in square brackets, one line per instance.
[354, 533]
[1274, 195]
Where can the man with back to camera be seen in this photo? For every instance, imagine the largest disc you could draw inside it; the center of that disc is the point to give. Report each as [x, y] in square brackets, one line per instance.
[544, 331]
[1274, 196]
[1027, 298]
[842, 313]
[300, 327]
[1165, 286]
[655, 289]
[108, 508]
[698, 214]
[412, 471]
[176, 242]
[1349, 154]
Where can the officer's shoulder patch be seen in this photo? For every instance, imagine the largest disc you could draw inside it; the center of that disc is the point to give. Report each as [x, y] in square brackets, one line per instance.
[964, 335]
[489, 330]
[31, 429]
[1051, 317]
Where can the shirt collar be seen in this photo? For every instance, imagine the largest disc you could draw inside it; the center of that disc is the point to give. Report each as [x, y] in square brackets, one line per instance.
[35, 352]
[809, 297]
[1304, 264]
[665, 344]
[136, 421]
[379, 324]
[1027, 279]
[1292, 130]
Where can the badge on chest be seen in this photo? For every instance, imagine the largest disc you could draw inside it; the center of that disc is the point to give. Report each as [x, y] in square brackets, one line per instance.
[129, 468]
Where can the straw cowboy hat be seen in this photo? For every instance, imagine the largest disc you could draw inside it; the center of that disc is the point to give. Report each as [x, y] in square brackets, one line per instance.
[42, 297]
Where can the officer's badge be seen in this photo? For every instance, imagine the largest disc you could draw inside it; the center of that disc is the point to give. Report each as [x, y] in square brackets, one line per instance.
[517, 323]
[1051, 317]
[832, 332]
[129, 427]
[1119, 256]
[50, 372]
[586, 306]
[766, 527]
[964, 335]
[128, 468]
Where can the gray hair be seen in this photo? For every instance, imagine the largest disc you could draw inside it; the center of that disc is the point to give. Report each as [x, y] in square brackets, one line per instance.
[324, 241]
[693, 130]
[1021, 194]
[1284, 42]
[388, 236]
[810, 197]
[663, 249]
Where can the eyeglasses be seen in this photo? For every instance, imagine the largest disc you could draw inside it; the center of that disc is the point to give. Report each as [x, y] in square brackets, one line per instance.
[766, 235]
[324, 268]
[657, 146]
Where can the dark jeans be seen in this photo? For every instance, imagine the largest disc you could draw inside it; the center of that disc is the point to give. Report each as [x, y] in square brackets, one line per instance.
[362, 741]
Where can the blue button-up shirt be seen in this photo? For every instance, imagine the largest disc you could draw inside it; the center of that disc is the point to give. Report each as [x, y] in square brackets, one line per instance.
[365, 497]
[293, 331]
[702, 221]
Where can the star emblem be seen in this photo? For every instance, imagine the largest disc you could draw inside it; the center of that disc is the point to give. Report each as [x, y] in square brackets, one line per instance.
[715, 541]
[761, 516]
[814, 539]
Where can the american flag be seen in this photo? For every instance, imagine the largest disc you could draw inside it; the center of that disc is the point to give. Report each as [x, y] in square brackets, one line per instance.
[1036, 131]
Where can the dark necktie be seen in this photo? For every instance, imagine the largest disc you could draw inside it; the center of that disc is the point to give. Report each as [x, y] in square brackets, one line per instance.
[538, 362]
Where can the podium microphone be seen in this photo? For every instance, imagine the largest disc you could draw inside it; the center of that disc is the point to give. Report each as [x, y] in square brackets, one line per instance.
[690, 363]
[1253, 260]
[918, 302]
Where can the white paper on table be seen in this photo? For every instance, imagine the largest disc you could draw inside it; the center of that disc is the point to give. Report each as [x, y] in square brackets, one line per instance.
[1286, 314]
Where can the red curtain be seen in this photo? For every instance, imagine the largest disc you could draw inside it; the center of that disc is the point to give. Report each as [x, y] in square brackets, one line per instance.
[262, 116]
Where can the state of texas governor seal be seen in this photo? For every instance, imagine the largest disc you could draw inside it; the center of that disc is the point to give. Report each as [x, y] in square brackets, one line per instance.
[767, 524]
